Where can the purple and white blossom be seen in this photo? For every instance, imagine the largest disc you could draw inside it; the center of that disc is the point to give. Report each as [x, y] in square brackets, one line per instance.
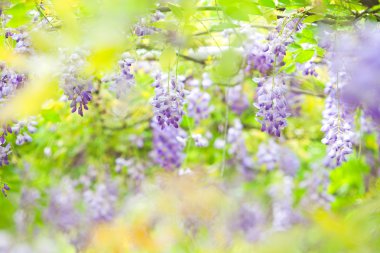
[283, 213]
[272, 156]
[101, 202]
[238, 150]
[143, 27]
[272, 106]
[22, 129]
[10, 81]
[77, 88]
[337, 123]
[123, 81]
[250, 220]
[201, 140]
[266, 54]
[5, 150]
[21, 38]
[168, 101]
[237, 100]
[168, 146]
[62, 211]
[198, 105]
[316, 183]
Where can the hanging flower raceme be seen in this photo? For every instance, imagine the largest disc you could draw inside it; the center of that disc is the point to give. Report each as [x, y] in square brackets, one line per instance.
[360, 51]
[10, 81]
[198, 105]
[22, 129]
[168, 101]
[144, 28]
[316, 183]
[77, 88]
[237, 100]
[272, 106]
[21, 37]
[101, 202]
[272, 155]
[251, 220]
[123, 81]
[168, 145]
[266, 54]
[61, 211]
[283, 213]
[238, 150]
[336, 124]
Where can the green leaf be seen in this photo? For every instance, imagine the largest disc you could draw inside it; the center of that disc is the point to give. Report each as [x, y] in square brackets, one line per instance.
[168, 58]
[305, 55]
[267, 3]
[227, 67]
[240, 10]
[176, 10]
[293, 47]
[20, 14]
[289, 68]
[223, 26]
[313, 18]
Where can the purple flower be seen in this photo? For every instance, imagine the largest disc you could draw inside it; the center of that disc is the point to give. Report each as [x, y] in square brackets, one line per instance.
[316, 183]
[308, 69]
[200, 140]
[336, 124]
[259, 58]
[198, 105]
[101, 202]
[273, 155]
[79, 97]
[283, 213]
[21, 37]
[61, 211]
[250, 220]
[265, 55]
[77, 88]
[168, 146]
[272, 105]
[143, 28]
[168, 102]
[122, 82]
[10, 81]
[238, 150]
[4, 152]
[4, 190]
[237, 100]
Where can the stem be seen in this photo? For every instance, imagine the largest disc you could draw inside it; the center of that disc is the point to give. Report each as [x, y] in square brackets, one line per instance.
[202, 8]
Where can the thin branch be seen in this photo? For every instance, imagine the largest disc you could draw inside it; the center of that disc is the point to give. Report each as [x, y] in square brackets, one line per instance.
[186, 57]
[306, 92]
[202, 8]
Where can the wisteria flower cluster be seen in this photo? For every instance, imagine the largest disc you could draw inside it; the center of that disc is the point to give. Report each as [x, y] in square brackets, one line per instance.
[237, 100]
[337, 123]
[77, 88]
[284, 215]
[10, 82]
[168, 145]
[238, 150]
[273, 155]
[272, 106]
[21, 38]
[269, 54]
[122, 82]
[316, 185]
[168, 101]
[198, 105]
[143, 28]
